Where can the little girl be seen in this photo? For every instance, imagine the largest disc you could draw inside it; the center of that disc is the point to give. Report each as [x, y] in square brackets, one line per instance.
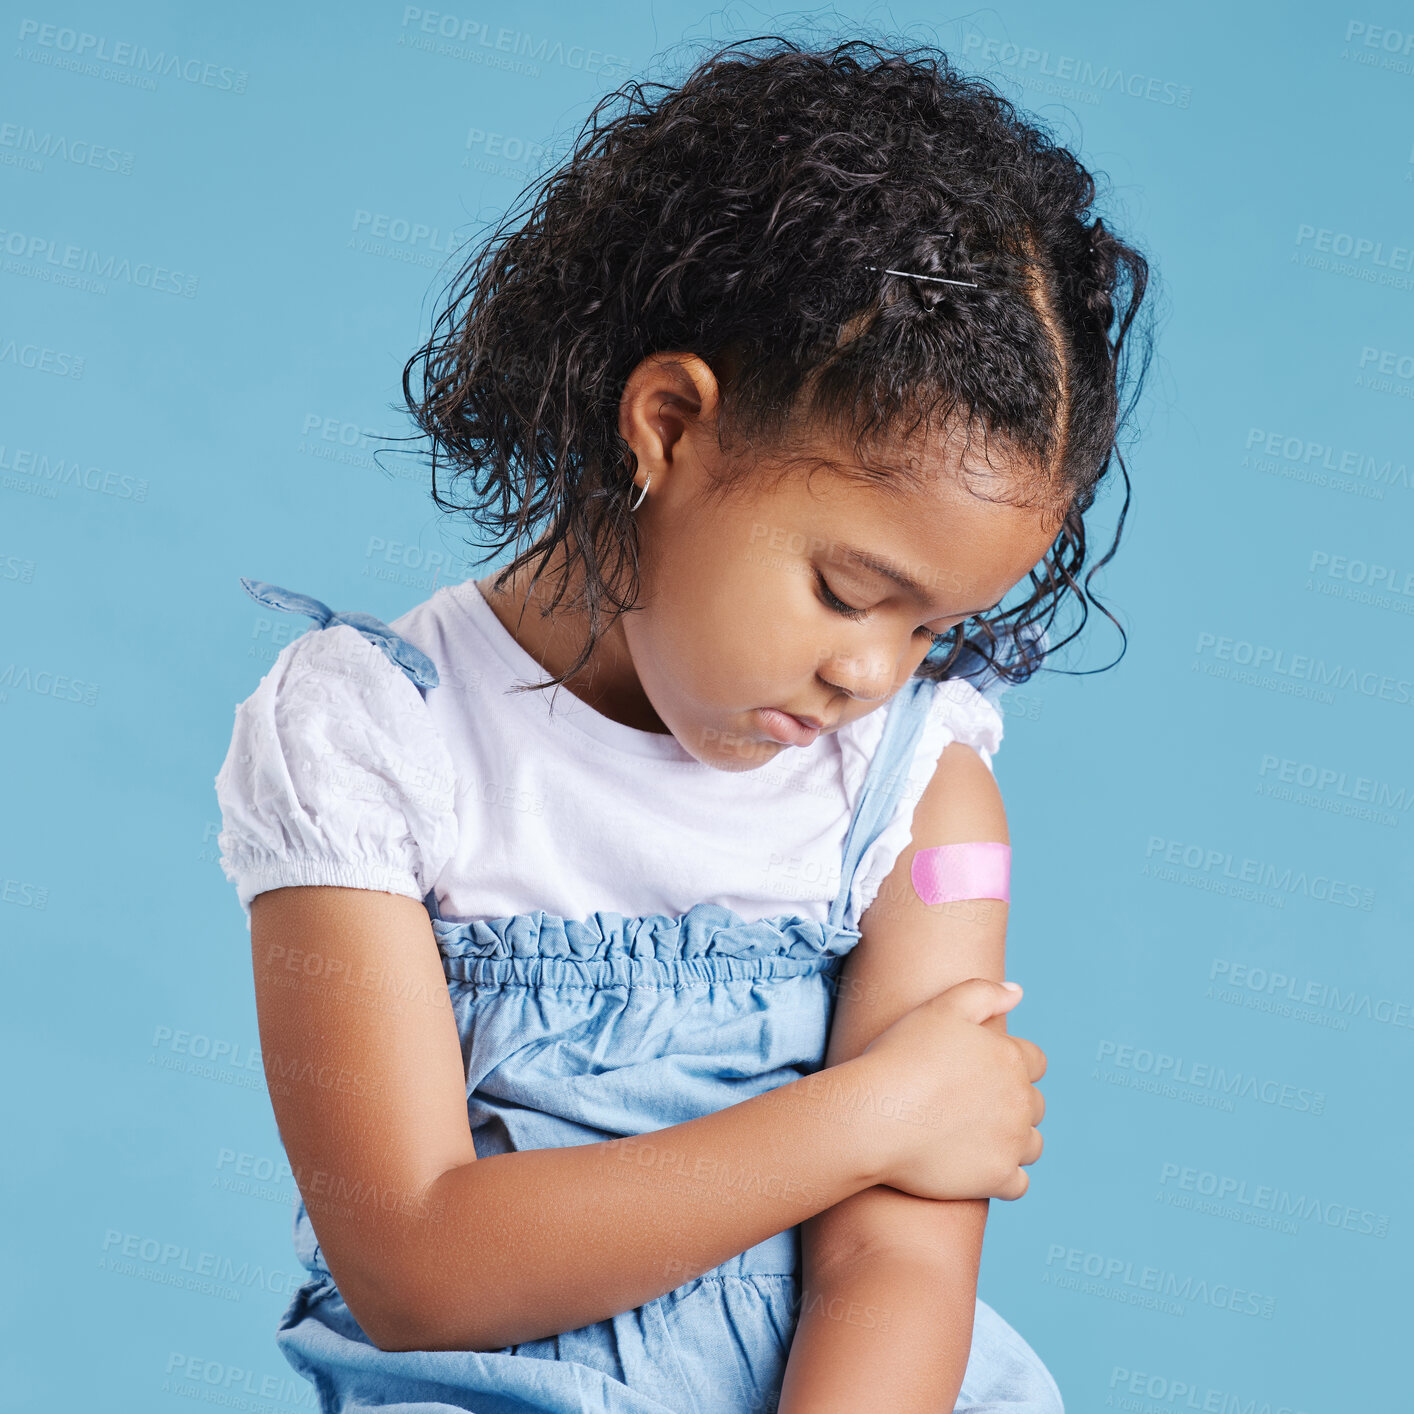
[626, 1055]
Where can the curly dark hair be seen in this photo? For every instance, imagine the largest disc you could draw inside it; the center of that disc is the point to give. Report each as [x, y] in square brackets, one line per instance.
[750, 214]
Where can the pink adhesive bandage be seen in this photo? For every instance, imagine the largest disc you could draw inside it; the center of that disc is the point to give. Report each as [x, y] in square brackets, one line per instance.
[950, 872]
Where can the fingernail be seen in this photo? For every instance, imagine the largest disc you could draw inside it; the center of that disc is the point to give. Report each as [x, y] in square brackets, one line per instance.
[1012, 986]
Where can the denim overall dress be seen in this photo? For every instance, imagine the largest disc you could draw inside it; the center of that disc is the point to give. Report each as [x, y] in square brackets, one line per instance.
[581, 1030]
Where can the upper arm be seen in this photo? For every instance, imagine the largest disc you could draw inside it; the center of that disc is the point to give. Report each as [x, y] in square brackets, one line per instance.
[365, 1074]
[910, 951]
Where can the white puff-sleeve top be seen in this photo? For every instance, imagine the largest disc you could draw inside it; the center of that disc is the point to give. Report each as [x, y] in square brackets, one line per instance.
[335, 775]
[339, 772]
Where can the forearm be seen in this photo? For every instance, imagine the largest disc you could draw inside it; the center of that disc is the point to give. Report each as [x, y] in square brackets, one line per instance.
[889, 1287]
[534, 1243]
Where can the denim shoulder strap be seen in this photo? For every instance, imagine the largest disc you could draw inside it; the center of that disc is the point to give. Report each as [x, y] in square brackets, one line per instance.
[413, 661]
[887, 775]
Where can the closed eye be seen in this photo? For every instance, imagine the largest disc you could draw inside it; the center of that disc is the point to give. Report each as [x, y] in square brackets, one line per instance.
[836, 603]
[833, 601]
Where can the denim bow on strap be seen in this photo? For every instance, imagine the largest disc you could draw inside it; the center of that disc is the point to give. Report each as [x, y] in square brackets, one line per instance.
[413, 661]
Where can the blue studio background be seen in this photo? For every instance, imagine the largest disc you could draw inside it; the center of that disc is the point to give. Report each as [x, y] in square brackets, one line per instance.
[1209, 914]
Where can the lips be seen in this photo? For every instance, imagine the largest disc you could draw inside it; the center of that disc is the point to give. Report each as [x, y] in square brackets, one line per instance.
[789, 729]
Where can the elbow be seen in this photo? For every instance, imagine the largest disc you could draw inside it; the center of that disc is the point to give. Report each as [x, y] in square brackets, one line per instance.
[388, 1319]
[391, 1330]
[404, 1316]
[405, 1286]
[387, 1302]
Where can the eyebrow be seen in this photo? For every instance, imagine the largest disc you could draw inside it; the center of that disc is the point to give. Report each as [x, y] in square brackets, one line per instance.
[902, 578]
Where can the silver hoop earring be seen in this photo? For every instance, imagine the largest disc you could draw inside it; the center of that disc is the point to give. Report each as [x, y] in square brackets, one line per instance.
[642, 493]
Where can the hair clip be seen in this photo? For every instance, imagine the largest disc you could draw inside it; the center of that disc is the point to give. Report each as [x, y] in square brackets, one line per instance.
[937, 279]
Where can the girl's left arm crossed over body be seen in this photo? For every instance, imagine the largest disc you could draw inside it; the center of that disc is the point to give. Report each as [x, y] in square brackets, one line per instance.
[889, 1280]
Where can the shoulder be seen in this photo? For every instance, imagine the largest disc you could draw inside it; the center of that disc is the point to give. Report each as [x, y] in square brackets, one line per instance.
[951, 711]
[336, 665]
[333, 693]
[958, 711]
[336, 773]
[960, 799]
[450, 627]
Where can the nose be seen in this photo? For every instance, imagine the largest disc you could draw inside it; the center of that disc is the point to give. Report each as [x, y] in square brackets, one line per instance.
[866, 677]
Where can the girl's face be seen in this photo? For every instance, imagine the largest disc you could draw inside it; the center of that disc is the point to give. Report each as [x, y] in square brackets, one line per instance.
[775, 601]
[783, 600]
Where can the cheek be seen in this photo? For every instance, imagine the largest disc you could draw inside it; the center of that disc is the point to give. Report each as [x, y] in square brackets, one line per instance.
[738, 654]
[681, 643]
[760, 637]
[723, 644]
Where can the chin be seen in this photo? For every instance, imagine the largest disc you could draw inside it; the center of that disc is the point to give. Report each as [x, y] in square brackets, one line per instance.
[731, 751]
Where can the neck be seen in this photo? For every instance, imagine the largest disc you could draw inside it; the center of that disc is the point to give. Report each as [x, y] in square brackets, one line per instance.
[608, 682]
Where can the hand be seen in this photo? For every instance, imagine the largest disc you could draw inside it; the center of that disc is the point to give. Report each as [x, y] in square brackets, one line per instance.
[956, 1109]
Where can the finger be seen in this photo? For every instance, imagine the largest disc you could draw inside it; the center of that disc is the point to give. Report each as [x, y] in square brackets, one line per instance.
[1015, 1187]
[1033, 1055]
[979, 998]
[1038, 1106]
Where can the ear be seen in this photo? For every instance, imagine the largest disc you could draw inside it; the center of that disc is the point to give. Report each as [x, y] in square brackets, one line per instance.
[669, 403]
